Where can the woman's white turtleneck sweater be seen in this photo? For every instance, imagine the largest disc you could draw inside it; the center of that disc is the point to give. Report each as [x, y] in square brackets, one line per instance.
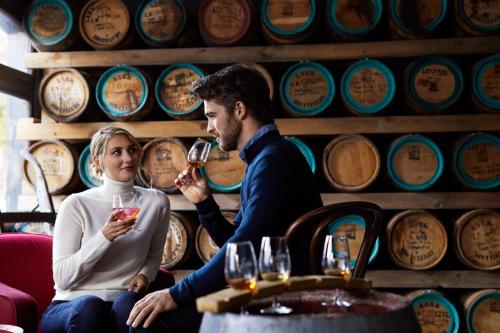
[86, 263]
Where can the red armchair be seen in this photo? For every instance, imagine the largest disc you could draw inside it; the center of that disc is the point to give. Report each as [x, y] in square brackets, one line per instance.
[26, 284]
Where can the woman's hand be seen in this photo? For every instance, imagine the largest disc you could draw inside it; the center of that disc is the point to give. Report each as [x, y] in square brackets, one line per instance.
[114, 228]
[192, 185]
[139, 284]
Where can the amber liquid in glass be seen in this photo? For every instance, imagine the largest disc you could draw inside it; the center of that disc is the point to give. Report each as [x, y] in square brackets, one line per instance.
[274, 277]
[196, 164]
[344, 273]
[242, 283]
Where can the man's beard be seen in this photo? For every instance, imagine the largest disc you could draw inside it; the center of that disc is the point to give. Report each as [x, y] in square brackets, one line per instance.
[229, 140]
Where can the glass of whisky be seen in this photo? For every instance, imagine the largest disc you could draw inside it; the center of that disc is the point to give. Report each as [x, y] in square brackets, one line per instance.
[197, 157]
[240, 267]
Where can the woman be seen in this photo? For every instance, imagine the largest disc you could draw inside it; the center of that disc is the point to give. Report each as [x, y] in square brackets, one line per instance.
[101, 268]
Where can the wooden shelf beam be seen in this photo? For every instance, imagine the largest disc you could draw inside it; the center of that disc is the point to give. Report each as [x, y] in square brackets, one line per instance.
[29, 129]
[220, 55]
[434, 279]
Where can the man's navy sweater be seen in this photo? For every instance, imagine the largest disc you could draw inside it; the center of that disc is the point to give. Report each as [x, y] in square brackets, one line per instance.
[277, 188]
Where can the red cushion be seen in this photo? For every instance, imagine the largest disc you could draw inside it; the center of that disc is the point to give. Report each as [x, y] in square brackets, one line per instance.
[17, 308]
[26, 265]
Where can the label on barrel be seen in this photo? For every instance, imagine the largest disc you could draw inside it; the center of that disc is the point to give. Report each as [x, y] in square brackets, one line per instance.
[289, 15]
[105, 22]
[308, 89]
[176, 243]
[368, 86]
[224, 169]
[56, 163]
[226, 19]
[423, 14]
[481, 161]
[418, 240]
[490, 82]
[479, 240]
[163, 160]
[433, 317]
[123, 92]
[65, 94]
[483, 13]
[48, 22]
[175, 90]
[162, 20]
[435, 83]
[486, 317]
[415, 163]
[355, 15]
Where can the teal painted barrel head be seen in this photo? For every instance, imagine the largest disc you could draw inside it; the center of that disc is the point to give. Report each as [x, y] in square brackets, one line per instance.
[173, 90]
[352, 226]
[121, 92]
[224, 170]
[49, 22]
[434, 83]
[367, 87]
[160, 22]
[486, 82]
[353, 19]
[288, 19]
[305, 150]
[476, 161]
[435, 313]
[482, 315]
[307, 89]
[85, 170]
[416, 18]
[414, 162]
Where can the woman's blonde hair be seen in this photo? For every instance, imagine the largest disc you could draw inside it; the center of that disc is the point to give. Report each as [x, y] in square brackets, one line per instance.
[100, 140]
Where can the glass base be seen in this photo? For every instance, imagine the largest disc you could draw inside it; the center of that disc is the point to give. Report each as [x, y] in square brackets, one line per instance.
[276, 310]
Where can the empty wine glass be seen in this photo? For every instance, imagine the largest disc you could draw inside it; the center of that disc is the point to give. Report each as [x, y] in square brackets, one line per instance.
[129, 204]
[197, 157]
[274, 265]
[240, 267]
[337, 262]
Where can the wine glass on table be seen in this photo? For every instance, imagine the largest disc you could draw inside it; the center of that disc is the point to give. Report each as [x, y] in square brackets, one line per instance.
[128, 203]
[274, 265]
[240, 266]
[197, 157]
[336, 262]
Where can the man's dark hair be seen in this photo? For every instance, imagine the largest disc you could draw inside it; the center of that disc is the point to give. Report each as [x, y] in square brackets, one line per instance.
[237, 83]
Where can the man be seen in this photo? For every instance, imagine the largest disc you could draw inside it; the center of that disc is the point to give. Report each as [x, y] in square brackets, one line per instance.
[277, 188]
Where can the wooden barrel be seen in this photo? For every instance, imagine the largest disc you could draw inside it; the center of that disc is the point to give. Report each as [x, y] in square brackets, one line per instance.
[481, 311]
[416, 239]
[227, 22]
[205, 246]
[374, 312]
[106, 24]
[416, 19]
[123, 93]
[58, 162]
[85, 170]
[49, 24]
[173, 91]
[352, 226]
[435, 313]
[288, 22]
[351, 162]
[224, 170]
[414, 162]
[305, 150]
[163, 160]
[478, 17]
[476, 161]
[306, 89]
[475, 239]
[367, 87]
[349, 20]
[486, 84]
[180, 240]
[64, 94]
[432, 84]
[266, 75]
[160, 23]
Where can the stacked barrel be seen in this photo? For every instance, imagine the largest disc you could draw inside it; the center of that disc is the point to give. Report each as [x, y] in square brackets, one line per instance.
[351, 162]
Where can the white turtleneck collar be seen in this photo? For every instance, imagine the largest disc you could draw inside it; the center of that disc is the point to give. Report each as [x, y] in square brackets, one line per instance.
[111, 186]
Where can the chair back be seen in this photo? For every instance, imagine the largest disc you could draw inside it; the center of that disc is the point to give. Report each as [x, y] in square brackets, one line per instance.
[306, 235]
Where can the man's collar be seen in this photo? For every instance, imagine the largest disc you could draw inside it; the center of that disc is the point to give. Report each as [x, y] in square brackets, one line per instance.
[245, 153]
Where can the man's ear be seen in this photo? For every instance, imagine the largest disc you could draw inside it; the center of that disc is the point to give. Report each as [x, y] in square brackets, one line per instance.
[240, 110]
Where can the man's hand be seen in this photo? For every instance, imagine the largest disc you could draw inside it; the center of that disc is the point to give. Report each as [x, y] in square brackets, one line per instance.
[148, 308]
[139, 284]
[192, 185]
